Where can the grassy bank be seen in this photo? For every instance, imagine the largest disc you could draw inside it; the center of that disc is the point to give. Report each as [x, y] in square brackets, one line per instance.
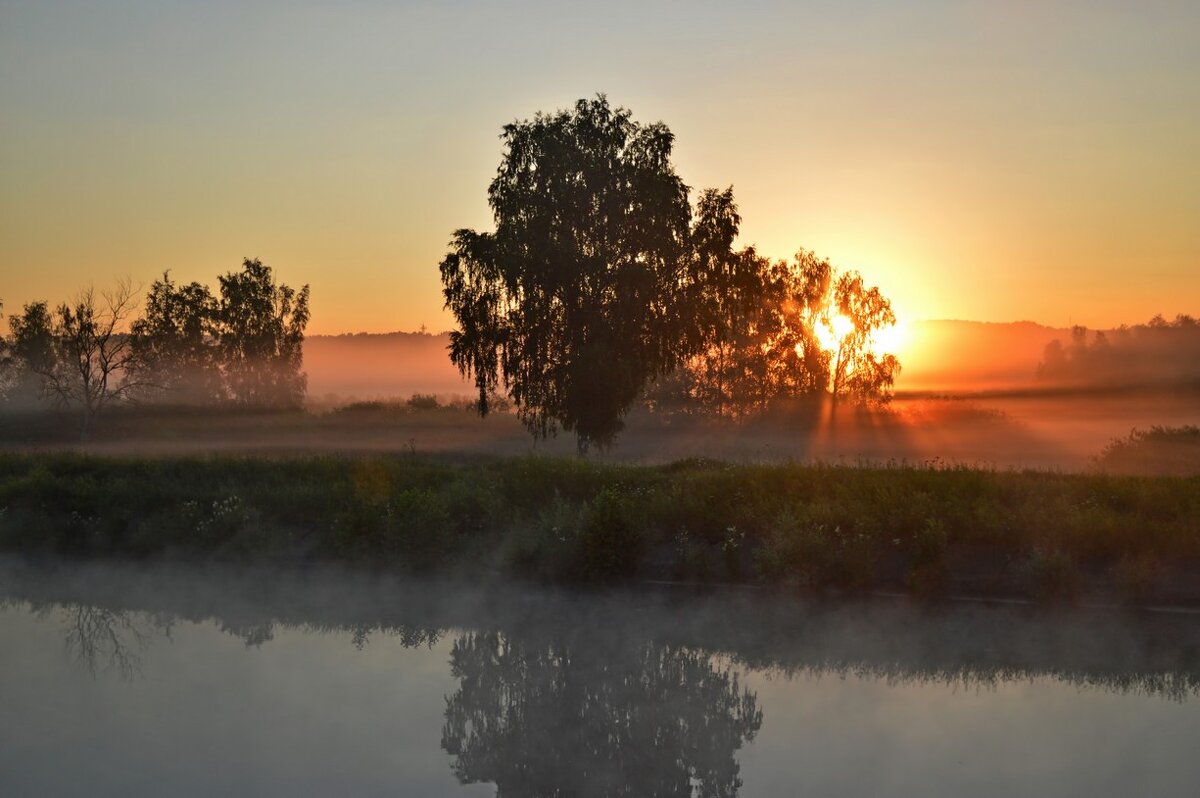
[927, 531]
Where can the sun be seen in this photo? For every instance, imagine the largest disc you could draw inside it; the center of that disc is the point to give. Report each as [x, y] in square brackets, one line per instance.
[884, 341]
[889, 340]
[831, 333]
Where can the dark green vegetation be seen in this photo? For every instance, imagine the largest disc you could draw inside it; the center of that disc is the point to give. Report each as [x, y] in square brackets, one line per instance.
[928, 531]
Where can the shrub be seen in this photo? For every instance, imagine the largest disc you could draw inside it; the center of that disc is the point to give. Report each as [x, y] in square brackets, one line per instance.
[417, 529]
[1051, 575]
[1159, 451]
[595, 542]
[1135, 576]
[815, 555]
[546, 548]
[611, 543]
[928, 571]
[422, 401]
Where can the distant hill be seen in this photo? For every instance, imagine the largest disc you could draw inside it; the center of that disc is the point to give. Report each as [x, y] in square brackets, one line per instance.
[973, 355]
[937, 355]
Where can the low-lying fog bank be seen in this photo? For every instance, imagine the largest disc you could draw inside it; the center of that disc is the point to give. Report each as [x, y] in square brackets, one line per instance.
[1046, 430]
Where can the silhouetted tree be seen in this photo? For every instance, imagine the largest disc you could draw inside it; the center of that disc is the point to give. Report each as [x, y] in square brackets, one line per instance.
[31, 350]
[811, 331]
[595, 280]
[568, 715]
[6, 362]
[260, 335]
[174, 343]
[769, 351]
[857, 369]
[80, 354]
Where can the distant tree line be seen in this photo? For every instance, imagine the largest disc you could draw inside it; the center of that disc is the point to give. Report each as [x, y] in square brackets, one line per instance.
[1159, 352]
[189, 346]
[601, 278]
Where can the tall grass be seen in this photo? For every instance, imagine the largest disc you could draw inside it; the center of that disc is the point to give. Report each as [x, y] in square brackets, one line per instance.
[813, 527]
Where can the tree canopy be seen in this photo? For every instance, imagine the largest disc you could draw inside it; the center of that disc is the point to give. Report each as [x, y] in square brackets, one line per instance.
[78, 354]
[173, 342]
[188, 347]
[597, 277]
[260, 335]
[857, 369]
[811, 333]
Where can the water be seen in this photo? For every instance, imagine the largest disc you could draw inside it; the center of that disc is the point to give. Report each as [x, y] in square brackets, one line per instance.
[120, 681]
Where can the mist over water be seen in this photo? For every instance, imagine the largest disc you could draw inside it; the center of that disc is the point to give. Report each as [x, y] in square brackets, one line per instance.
[189, 681]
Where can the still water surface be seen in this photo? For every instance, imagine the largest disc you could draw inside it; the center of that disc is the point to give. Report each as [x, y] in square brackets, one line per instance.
[172, 681]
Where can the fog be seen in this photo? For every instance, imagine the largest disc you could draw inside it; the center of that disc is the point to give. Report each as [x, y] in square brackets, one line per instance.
[937, 356]
[1062, 431]
[188, 681]
[345, 368]
[968, 395]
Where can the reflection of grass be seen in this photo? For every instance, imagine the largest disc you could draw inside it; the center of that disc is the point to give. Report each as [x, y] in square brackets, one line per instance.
[1158, 450]
[816, 527]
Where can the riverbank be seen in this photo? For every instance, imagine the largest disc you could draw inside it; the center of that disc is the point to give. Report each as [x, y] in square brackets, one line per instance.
[921, 530]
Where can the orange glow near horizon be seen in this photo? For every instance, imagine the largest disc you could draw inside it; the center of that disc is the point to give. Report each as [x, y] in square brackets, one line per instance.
[892, 340]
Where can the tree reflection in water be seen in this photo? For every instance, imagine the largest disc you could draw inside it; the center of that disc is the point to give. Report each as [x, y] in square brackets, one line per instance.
[554, 715]
[107, 639]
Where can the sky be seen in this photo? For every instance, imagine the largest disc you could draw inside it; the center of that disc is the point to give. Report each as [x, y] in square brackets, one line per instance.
[990, 161]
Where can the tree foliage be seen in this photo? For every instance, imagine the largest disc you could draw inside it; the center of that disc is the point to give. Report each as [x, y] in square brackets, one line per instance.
[857, 369]
[601, 278]
[173, 343]
[32, 349]
[260, 337]
[189, 346]
[596, 278]
[811, 333]
[79, 353]
[244, 345]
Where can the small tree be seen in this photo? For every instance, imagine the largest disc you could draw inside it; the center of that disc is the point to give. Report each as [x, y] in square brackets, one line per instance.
[857, 369]
[758, 357]
[8, 374]
[80, 353]
[174, 343]
[32, 350]
[812, 331]
[260, 335]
